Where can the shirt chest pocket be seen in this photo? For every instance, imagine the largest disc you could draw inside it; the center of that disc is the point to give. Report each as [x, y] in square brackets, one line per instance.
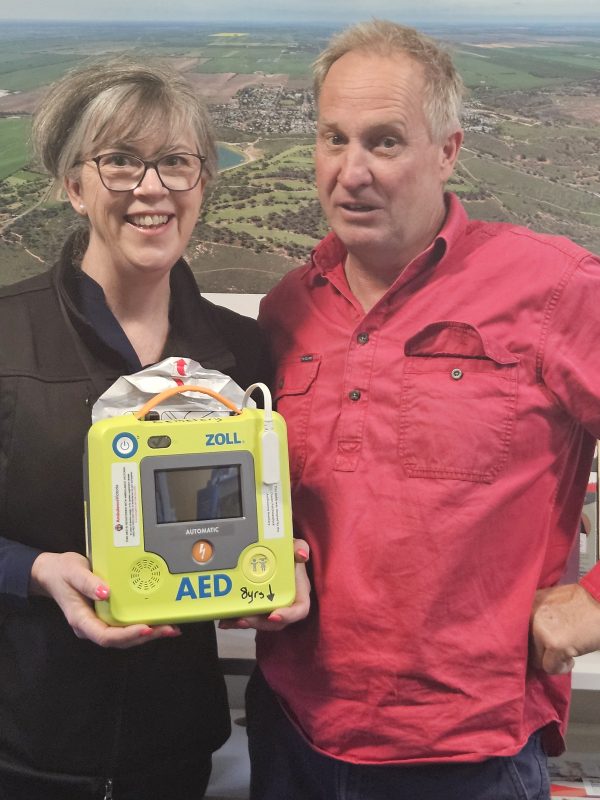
[294, 390]
[458, 404]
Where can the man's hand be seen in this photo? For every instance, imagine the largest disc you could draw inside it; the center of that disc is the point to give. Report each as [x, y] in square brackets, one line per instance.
[279, 619]
[565, 622]
[66, 577]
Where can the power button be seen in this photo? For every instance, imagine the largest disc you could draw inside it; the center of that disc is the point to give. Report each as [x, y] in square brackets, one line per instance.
[124, 445]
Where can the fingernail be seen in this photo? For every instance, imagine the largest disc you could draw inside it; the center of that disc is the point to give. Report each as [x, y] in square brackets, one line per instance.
[102, 592]
[303, 554]
[275, 617]
[171, 633]
[146, 632]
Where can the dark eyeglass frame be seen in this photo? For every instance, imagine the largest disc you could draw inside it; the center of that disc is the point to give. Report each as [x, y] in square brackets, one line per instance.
[147, 165]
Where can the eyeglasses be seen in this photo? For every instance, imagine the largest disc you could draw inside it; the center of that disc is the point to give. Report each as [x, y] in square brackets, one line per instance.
[121, 172]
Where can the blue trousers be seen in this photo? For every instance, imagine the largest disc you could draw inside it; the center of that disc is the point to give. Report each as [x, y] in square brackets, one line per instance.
[284, 767]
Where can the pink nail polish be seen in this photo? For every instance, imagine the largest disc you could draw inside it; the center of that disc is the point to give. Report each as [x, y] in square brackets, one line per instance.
[275, 617]
[303, 554]
[102, 592]
[147, 632]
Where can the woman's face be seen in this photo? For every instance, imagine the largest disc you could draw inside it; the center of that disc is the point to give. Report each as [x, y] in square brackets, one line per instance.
[137, 234]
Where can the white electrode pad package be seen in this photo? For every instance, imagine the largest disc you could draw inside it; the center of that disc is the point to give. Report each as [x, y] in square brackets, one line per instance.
[187, 498]
[130, 392]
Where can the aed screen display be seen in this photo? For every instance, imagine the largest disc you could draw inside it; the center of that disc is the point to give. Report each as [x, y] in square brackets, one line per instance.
[198, 493]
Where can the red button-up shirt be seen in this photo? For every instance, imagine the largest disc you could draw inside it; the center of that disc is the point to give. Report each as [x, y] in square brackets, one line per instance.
[440, 451]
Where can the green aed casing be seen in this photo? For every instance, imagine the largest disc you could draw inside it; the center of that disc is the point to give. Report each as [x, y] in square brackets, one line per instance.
[186, 521]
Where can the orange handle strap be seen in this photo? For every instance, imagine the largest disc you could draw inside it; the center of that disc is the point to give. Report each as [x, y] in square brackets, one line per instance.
[158, 398]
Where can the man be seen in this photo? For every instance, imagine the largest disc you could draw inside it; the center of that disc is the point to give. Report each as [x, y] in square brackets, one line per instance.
[441, 382]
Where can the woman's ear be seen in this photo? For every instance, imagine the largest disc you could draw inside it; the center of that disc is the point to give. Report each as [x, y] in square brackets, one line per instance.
[73, 190]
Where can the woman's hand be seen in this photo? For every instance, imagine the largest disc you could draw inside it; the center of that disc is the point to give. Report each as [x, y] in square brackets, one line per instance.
[282, 617]
[66, 577]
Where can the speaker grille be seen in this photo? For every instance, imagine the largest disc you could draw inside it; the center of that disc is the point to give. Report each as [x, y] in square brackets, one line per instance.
[146, 575]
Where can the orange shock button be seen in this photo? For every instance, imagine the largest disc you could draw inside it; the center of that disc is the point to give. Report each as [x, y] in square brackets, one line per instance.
[202, 551]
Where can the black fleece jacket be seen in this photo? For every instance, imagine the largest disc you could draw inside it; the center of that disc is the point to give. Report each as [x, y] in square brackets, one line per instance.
[69, 708]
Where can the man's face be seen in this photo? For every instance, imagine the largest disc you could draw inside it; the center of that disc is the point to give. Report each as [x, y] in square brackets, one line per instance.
[380, 177]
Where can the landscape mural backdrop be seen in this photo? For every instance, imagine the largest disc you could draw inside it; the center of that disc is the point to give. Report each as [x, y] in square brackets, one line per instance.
[532, 121]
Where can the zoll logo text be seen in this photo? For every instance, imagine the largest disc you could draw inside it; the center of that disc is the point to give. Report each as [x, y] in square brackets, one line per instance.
[213, 439]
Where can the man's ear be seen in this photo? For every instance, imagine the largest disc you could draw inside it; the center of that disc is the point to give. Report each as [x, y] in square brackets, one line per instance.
[449, 153]
[73, 190]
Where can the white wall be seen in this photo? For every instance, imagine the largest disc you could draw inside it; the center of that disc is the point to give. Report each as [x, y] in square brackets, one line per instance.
[246, 304]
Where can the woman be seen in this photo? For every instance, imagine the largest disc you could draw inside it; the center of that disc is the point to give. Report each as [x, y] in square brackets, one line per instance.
[84, 711]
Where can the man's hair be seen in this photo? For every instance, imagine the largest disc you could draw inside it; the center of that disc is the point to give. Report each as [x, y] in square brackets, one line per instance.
[443, 85]
[113, 101]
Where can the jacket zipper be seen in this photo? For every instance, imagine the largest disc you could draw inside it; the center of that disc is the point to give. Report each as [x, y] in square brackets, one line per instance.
[111, 766]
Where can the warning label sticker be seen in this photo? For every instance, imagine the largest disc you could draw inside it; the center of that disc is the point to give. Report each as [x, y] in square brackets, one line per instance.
[271, 505]
[126, 518]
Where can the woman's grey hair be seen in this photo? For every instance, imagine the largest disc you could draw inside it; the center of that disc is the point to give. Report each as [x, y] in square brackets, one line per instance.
[444, 87]
[116, 101]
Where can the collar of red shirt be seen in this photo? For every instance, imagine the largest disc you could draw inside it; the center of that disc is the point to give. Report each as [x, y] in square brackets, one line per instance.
[330, 252]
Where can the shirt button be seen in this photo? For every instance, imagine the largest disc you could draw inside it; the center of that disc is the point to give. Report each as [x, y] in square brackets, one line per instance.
[354, 395]
[457, 373]
[362, 338]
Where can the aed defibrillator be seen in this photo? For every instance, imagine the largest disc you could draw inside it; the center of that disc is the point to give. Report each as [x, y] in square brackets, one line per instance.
[190, 519]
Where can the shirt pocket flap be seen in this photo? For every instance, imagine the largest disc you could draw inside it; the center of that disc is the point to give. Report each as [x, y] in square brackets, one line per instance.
[457, 403]
[295, 382]
[296, 375]
[457, 339]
